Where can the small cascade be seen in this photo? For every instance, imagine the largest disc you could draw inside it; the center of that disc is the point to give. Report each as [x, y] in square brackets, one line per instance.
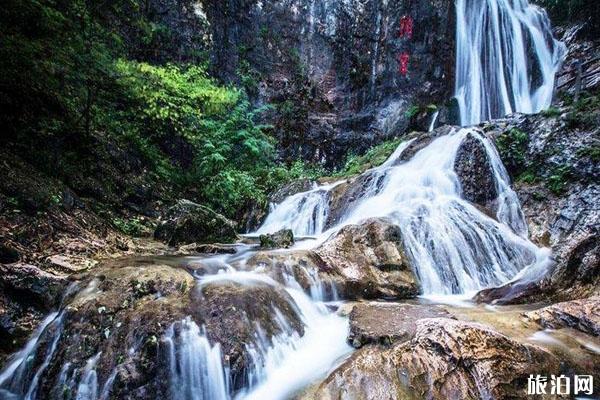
[304, 213]
[280, 365]
[196, 371]
[291, 362]
[506, 59]
[87, 389]
[434, 118]
[21, 377]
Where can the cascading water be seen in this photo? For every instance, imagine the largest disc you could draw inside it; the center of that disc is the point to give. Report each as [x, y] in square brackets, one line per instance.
[506, 59]
[455, 248]
[280, 365]
[195, 367]
[304, 213]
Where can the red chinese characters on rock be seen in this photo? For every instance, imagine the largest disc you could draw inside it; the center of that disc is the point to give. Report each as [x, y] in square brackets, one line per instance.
[406, 31]
[406, 27]
[403, 63]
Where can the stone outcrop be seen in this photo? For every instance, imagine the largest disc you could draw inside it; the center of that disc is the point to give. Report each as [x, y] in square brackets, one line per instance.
[553, 161]
[188, 222]
[371, 256]
[446, 359]
[583, 315]
[360, 261]
[475, 174]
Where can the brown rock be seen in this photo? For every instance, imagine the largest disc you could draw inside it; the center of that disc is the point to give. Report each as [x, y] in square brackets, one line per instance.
[387, 323]
[446, 359]
[583, 314]
[371, 259]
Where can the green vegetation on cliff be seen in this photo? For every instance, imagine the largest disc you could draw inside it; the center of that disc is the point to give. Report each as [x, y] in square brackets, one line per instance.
[85, 93]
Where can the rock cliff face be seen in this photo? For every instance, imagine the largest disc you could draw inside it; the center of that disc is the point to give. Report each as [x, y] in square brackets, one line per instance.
[333, 70]
[553, 159]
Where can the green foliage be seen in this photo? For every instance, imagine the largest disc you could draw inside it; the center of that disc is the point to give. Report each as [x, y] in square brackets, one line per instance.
[559, 179]
[551, 112]
[73, 71]
[232, 154]
[512, 146]
[173, 99]
[593, 152]
[412, 111]
[133, 227]
[375, 156]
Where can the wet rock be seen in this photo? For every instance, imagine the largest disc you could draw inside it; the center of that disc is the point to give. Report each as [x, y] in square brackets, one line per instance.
[188, 222]
[305, 267]
[207, 248]
[346, 195]
[475, 173]
[555, 182]
[119, 316]
[280, 239]
[336, 85]
[26, 294]
[231, 314]
[69, 264]
[446, 359]
[583, 314]
[371, 259]
[387, 323]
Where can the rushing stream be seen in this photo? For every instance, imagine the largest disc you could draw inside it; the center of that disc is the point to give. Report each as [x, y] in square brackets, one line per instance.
[455, 248]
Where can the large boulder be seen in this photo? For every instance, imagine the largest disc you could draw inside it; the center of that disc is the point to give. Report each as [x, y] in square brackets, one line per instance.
[474, 171]
[371, 258]
[446, 359]
[188, 222]
[364, 261]
[583, 315]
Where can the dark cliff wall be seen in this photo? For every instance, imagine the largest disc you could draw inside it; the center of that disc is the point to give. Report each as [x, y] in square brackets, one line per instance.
[331, 68]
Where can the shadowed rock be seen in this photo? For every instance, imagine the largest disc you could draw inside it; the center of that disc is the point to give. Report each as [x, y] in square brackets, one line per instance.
[188, 222]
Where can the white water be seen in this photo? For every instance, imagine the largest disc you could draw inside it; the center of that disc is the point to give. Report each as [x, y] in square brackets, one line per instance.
[195, 366]
[281, 365]
[434, 118]
[455, 248]
[19, 379]
[304, 213]
[506, 59]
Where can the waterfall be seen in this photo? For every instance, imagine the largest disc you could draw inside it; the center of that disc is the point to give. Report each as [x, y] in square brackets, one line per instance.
[196, 371]
[454, 247]
[280, 365]
[506, 59]
[304, 213]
